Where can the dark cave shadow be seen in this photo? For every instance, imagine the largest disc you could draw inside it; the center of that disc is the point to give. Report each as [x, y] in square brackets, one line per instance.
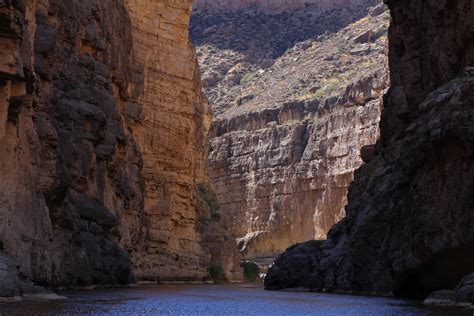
[268, 36]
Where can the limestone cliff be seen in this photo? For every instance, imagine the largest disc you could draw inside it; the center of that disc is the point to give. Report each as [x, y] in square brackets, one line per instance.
[103, 131]
[287, 135]
[171, 126]
[409, 226]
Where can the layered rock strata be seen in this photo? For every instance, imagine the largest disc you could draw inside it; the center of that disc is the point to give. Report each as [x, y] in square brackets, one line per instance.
[286, 141]
[103, 131]
[408, 229]
[171, 125]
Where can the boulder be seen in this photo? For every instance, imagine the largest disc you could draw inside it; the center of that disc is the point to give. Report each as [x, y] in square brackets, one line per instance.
[364, 37]
[462, 295]
[464, 292]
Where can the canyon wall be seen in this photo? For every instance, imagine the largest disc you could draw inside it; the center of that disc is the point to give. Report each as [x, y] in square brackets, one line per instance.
[103, 132]
[285, 179]
[409, 225]
[287, 134]
[274, 6]
[173, 119]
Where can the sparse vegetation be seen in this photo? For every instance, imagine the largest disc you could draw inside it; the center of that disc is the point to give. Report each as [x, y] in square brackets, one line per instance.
[216, 216]
[203, 223]
[207, 204]
[332, 85]
[306, 63]
[251, 270]
[247, 78]
[292, 122]
[217, 273]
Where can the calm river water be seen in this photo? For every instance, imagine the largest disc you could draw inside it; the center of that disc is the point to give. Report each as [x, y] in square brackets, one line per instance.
[236, 299]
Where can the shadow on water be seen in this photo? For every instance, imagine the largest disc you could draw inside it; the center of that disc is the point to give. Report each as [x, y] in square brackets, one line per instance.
[230, 299]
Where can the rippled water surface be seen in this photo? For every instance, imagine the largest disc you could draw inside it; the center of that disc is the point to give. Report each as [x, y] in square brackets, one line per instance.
[236, 299]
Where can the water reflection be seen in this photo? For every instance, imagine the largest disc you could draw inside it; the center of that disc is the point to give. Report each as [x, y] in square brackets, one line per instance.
[236, 299]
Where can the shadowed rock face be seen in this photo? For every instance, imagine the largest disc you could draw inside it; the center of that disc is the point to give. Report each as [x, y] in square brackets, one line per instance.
[69, 163]
[103, 132]
[274, 6]
[409, 225]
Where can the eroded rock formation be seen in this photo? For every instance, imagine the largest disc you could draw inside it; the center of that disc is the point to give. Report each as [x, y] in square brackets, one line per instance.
[103, 132]
[462, 295]
[409, 225]
[288, 131]
[174, 119]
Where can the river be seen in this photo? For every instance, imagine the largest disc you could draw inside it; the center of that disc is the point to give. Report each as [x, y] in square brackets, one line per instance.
[231, 299]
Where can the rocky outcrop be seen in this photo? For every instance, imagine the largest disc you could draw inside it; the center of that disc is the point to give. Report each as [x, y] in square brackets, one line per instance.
[9, 282]
[103, 131]
[286, 138]
[462, 295]
[274, 6]
[408, 229]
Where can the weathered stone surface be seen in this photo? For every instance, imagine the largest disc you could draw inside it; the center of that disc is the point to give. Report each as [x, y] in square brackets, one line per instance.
[103, 132]
[408, 229]
[217, 237]
[9, 282]
[462, 295]
[241, 52]
[464, 292]
[172, 138]
[286, 140]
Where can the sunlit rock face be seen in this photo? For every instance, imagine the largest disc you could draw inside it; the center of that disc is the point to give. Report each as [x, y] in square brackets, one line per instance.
[290, 122]
[103, 138]
[408, 229]
[172, 127]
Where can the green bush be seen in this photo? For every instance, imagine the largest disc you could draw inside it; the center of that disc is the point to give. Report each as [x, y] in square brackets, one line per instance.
[217, 273]
[251, 270]
[247, 78]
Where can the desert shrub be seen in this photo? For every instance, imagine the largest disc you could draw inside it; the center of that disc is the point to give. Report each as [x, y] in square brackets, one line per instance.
[217, 273]
[251, 270]
[216, 216]
[247, 78]
[203, 223]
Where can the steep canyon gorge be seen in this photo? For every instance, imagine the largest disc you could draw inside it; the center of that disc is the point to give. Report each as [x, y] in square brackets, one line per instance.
[167, 140]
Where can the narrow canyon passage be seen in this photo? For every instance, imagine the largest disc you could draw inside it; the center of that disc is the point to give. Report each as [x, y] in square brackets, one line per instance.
[182, 157]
